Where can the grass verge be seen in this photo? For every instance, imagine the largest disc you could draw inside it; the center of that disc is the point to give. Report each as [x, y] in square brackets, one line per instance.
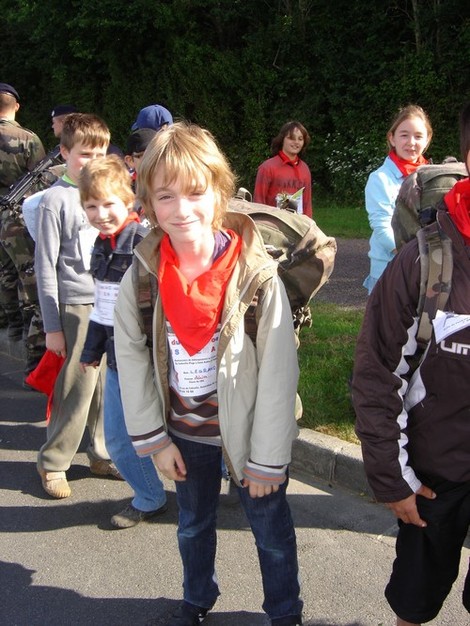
[326, 357]
[340, 221]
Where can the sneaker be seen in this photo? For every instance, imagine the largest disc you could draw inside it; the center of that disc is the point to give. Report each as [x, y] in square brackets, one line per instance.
[130, 516]
[55, 483]
[100, 467]
[188, 614]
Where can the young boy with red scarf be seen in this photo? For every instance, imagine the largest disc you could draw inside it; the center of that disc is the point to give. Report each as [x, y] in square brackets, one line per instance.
[209, 389]
[415, 429]
[108, 200]
[408, 137]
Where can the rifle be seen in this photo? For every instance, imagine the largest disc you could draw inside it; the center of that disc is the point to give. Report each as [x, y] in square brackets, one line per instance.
[22, 186]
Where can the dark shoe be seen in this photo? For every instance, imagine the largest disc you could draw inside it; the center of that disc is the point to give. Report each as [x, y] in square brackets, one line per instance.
[292, 620]
[100, 467]
[130, 516]
[188, 615]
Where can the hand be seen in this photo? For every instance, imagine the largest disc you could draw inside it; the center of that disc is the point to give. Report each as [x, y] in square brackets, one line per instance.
[170, 462]
[406, 509]
[55, 342]
[83, 366]
[257, 490]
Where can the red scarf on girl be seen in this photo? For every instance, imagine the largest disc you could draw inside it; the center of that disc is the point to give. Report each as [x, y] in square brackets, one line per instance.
[132, 217]
[405, 166]
[194, 309]
[458, 203]
[286, 159]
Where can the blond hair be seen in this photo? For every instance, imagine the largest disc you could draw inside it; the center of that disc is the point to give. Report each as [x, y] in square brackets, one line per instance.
[101, 178]
[405, 113]
[85, 128]
[188, 154]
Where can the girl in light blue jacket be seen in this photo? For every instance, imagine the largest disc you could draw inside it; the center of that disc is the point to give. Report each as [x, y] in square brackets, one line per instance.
[409, 136]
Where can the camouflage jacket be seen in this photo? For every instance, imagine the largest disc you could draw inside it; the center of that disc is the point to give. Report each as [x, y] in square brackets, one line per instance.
[20, 150]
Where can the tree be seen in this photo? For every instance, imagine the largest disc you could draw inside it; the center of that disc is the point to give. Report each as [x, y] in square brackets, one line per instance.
[244, 67]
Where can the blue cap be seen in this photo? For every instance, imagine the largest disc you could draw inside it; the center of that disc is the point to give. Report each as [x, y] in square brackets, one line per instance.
[5, 88]
[63, 109]
[153, 116]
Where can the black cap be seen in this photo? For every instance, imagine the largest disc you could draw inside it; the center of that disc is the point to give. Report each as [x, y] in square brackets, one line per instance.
[63, 109]
[139, 140]
[5, 88]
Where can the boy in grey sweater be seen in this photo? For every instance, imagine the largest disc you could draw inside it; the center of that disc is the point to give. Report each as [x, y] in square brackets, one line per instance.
[66, 291]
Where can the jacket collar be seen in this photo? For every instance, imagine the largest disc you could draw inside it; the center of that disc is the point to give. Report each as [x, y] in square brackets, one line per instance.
[253, 252]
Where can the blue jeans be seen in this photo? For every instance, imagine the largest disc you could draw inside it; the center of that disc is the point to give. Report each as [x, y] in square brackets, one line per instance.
[139, 473]
[270, 521]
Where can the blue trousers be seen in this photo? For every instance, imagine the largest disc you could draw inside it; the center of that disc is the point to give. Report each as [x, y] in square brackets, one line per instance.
[139, 473]
[270, 521]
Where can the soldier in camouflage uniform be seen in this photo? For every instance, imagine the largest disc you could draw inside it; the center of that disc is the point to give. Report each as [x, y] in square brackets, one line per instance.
[20, 151]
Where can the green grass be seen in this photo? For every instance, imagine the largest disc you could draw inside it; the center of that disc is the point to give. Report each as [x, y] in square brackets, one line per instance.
[340, 221]
[326, 356]
[326, 350]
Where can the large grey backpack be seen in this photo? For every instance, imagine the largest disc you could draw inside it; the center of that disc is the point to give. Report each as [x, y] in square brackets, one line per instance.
[420, 195]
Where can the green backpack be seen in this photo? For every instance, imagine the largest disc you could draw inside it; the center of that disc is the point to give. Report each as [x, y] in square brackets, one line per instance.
[304, 254]
[419, 197]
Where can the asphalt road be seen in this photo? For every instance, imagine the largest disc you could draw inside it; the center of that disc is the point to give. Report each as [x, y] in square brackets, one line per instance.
[351, 268]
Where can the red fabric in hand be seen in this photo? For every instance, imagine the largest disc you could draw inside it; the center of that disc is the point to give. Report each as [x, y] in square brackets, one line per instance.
[43, 377]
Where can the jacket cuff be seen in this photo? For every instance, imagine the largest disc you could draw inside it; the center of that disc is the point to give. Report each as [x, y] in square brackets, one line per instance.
[264, 474]
[151, 445]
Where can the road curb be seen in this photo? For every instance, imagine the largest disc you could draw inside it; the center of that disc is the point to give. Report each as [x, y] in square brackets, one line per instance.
[336, 461]
[329, 458]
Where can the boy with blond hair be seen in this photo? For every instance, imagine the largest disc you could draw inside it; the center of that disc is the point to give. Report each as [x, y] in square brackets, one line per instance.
[66, 292]
[108, 200]
[209, 391]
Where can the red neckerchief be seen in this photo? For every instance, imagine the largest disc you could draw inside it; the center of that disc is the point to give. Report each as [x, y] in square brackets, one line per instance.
[295, 161]
[458, 203]
[405, 166]
[194, 309]
[132, 217]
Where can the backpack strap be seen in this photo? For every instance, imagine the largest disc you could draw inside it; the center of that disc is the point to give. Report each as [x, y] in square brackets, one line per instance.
[252, 315]
[435, 254]
[146, 290]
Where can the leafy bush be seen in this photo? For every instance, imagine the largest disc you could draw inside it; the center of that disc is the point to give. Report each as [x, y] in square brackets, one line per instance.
[349, 162]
